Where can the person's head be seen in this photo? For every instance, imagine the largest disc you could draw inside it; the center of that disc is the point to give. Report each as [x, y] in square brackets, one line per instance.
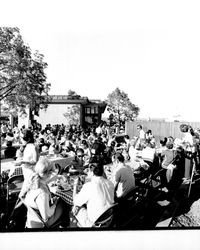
[133, 142]
[28, 136]
[80, 153]
[126, 137]
[163, 142]
[184, 128]
[119, 158]
[169, 145]
[84, 144]
[170, 139]
[44, 168]
[41, 140]
[149, 132]
[139, 127]
[44, 149]
[96, 169]
[9, 143]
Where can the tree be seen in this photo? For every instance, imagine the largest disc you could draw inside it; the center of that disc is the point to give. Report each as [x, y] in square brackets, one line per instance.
[120, 107]
[72, 113]
[22, 77]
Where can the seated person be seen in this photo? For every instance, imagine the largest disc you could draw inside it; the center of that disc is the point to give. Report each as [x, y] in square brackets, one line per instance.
[133, 152]
[41, 143]
[123, 177]
[87, 152]
[149, 136]
[95, 197]
[148, 153]
[109, 152]
[38, 196]
[78, 162]
[10, 151]
[98, 147]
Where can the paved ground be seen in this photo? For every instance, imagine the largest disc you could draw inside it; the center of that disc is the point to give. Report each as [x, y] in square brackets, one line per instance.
[148, 214]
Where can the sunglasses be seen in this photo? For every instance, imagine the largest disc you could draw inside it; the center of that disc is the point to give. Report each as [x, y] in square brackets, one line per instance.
[81, 156]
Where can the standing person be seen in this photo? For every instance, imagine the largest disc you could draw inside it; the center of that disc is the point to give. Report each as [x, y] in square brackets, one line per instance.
[141, 133]
[123, 178]
[188, 145]
[30, 157]
[168, 155]
[95, 197]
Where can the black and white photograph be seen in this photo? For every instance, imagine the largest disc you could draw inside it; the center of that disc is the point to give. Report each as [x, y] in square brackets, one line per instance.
[99, 124]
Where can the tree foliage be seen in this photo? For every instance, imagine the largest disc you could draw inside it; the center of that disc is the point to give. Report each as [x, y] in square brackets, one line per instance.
[72, 113]
[120, 107]
[22, 73]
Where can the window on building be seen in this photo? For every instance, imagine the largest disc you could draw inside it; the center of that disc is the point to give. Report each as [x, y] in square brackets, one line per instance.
[94, 110]
[87, 110]
[91, 110]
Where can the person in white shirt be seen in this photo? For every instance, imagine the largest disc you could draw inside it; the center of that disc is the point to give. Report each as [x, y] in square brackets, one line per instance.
[141, 133]
[98, 130]
[133, 152]
[30, 157]
[38, 197]
[94, 198]
[148, 152]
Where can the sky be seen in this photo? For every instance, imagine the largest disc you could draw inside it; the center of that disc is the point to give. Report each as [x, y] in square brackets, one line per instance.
[148, 49]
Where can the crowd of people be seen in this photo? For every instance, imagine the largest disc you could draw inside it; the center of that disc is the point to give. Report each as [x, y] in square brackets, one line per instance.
[91, 150]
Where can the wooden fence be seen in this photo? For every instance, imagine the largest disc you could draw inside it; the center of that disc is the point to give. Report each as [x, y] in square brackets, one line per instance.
[160, 129]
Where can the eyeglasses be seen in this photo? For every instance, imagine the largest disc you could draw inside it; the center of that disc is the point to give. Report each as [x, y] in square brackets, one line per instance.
[80, 156]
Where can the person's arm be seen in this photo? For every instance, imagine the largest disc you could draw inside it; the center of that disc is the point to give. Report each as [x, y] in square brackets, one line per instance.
[80, 198]
[75, 187]
[116, 180]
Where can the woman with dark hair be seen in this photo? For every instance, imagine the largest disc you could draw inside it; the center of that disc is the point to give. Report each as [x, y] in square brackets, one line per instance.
[87, 152]
[30, 157]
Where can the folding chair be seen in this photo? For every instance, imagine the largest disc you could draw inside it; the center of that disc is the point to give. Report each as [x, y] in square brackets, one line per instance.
[107, 219]
[38, 222]
[14, 185]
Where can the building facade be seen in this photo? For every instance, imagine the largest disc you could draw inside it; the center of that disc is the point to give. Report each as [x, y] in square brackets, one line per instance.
[90, 110]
